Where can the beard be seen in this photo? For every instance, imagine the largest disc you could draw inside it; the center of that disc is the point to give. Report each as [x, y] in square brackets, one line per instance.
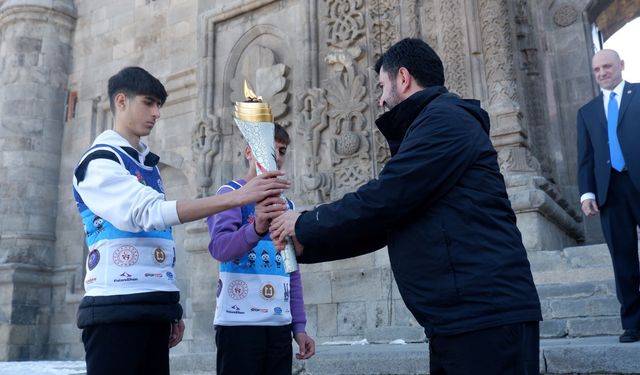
[393, 99]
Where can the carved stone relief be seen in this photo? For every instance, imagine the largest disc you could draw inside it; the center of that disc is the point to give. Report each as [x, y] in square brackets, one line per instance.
[268, 78]
[346, 95]
[383, 27]
[494, 23]
[312, 121]
[565, 15]
[453, 47]
[205, 145]
[384, 21]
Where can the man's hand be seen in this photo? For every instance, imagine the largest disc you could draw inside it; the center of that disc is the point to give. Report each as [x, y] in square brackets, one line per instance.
[306, 344]
[177, 330]
[285, 226]
[267, 210]
[261, 187]
[590, 207]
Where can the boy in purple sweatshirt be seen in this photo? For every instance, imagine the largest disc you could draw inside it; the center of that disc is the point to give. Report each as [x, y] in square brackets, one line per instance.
[258, 304]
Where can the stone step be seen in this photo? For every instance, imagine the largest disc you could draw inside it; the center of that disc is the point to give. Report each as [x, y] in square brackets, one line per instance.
[573, 264]
[593, 355]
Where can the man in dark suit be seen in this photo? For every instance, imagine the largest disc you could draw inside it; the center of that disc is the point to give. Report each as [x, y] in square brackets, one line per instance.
[609, 177]
[440, 206]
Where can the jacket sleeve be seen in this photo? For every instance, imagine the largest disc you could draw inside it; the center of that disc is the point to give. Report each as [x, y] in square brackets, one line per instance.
[436, 151]
[586, 174]
[111, 192]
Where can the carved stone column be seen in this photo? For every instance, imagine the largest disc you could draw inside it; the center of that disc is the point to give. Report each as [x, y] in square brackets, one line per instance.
[542, 215]
[35, 55]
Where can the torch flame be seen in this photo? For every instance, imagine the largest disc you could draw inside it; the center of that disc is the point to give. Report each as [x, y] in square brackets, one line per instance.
[249, 94]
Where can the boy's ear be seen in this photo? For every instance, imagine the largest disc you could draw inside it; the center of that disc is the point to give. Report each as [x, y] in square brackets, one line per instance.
[120, 101]
[247, 153]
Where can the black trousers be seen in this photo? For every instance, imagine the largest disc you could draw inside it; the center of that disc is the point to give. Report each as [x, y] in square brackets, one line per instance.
[620, 216]
[136, 348]
[253, 350]
[506, 350]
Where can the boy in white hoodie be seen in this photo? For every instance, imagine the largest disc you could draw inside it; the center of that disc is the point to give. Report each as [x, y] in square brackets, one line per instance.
[131, 314]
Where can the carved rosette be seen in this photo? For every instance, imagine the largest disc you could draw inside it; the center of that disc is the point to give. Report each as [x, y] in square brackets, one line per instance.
[205, 145]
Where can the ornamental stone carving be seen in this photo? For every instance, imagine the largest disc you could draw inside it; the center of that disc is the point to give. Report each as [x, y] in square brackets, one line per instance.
[565, 15]
[205, 145]
[312, 121]
[346, 95]
[268, 79]
[496, 35]
[384, 31]
[345, 22]
[453, 47]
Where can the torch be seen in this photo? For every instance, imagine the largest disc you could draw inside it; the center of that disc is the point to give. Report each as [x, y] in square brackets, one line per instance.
[254, 118]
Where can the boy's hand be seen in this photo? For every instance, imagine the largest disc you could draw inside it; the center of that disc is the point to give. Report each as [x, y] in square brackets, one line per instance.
[266, 210]
[261, 187]
[306, 344]
[175, 336]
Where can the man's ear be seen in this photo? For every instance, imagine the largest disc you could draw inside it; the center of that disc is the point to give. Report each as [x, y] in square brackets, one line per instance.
[404, 80]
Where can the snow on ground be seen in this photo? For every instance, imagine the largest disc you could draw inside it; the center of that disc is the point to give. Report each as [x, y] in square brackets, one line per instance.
[43, 368]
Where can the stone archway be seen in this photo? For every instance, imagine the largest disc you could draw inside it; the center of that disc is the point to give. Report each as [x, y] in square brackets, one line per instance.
[609, 16]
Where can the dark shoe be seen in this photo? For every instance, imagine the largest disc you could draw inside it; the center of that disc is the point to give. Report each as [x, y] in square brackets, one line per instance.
[629, 335]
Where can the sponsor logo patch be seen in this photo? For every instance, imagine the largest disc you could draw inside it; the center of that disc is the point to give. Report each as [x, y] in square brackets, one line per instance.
[268, 292]
[256, 309]
[151, 274]
[93, 259]
[219, 288]
[169, 275]
[237, 289]
[90, 280]
[159, 256]
[235, 310]
[277, 311]
[125, 256]
[126, 277]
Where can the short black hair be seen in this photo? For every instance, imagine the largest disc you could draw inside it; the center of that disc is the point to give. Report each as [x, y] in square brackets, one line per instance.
[280, 134]
[422, 62]
[132, 81]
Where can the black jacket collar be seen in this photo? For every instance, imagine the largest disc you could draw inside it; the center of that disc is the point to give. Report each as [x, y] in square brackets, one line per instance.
[394, 124]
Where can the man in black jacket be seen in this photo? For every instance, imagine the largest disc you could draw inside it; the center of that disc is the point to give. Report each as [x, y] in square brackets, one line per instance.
[440, 206]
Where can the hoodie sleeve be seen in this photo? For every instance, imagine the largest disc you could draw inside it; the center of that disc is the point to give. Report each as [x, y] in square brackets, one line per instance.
[228, 238]
[112, 193]
[434, 154]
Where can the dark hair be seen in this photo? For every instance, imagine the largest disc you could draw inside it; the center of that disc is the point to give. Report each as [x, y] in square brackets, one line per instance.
[132, 81]
[417, 57]
[280, 134]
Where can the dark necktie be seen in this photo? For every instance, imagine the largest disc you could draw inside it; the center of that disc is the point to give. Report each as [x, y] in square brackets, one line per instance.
[617, 160]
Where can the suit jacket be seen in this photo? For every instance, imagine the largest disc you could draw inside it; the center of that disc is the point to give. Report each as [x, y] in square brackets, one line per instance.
[594, 161]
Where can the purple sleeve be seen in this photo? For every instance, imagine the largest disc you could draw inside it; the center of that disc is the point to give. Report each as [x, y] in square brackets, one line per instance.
[229, 239]
[298, 318]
